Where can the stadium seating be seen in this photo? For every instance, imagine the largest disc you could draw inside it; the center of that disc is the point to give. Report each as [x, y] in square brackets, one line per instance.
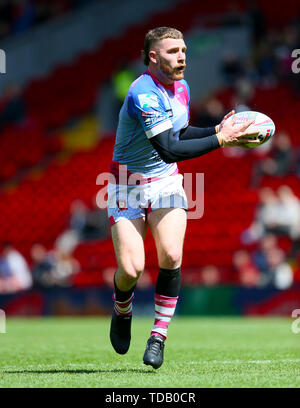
[33, 145]
[38, 209]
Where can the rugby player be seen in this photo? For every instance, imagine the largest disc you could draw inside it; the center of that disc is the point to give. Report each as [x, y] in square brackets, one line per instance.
[153, 134]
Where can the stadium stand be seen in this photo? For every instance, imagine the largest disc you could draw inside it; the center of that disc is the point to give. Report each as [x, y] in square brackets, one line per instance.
[17, 17]
[36, 208]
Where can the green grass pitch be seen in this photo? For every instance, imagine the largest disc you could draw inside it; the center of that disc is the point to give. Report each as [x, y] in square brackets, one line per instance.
[200, 352]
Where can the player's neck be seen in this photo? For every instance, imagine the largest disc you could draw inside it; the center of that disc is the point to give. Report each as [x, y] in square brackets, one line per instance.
[156, 74]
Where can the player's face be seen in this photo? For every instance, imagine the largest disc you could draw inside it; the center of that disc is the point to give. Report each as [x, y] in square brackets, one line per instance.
[171, 58]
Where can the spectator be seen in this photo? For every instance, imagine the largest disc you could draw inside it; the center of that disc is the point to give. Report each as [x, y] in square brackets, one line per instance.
[268, 210]
[211, 113]
[290, 217]
[192, 277]
[244, 94]
[15, 273]
[210, 275]
[290, 212]
[88, 224]
[283, 51]
[67, 241]
[266, 217]
[5, 275]
[278, 215]
[298, 161]
[248, 274]
[78, 216]
[66, 267]
[53, 268]
[231, 68]
[279, 274]
[280, 162]
[260, 256]
[266, 62]
[43, 266]
[96, 224]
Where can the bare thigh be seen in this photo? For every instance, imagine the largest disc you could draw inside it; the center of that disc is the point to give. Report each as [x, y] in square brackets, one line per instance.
[168, 226]
[128, 239]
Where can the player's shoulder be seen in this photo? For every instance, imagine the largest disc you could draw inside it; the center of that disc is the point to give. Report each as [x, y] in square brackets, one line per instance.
[143, 95]
[143, 85]
[183, 86]
[183, 82]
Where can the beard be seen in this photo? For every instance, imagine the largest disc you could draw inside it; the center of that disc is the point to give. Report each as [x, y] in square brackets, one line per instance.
[174, 74]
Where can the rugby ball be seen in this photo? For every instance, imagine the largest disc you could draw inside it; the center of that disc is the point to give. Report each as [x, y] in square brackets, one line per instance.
[263, 125]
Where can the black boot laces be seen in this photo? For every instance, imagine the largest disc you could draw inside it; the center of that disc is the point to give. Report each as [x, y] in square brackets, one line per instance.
[155, 346]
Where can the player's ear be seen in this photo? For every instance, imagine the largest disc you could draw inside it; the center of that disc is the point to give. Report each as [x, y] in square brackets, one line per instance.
[153, 56]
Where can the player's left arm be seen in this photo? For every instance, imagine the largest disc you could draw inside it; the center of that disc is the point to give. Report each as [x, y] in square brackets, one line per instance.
[192, 132]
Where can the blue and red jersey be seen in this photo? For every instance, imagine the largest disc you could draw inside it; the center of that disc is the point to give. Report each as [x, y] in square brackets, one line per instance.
[149, 108]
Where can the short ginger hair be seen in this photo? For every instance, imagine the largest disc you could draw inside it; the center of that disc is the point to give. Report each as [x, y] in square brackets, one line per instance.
[157, 34]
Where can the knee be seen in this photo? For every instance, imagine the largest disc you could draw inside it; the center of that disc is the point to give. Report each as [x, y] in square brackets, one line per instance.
[131, 271]
[171, 258]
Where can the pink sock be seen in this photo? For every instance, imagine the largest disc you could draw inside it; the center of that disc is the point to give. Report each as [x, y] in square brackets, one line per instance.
[164, 310]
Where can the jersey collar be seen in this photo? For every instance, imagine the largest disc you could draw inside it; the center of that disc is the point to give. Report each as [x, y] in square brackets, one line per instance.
[170, 87]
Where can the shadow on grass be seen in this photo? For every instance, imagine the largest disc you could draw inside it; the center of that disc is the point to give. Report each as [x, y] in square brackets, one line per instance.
[129, 370]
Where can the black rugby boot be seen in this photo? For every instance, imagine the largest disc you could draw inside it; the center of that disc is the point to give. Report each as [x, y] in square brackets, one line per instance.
[120, 332]
[154, 354]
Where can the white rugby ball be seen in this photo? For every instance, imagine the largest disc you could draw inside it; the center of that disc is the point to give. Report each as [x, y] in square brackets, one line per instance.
[263, 125]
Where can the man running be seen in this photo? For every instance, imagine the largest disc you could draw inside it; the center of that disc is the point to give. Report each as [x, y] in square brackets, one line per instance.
[153, 135]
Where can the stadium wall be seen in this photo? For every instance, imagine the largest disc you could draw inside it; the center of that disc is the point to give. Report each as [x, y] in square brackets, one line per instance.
[196, 301]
